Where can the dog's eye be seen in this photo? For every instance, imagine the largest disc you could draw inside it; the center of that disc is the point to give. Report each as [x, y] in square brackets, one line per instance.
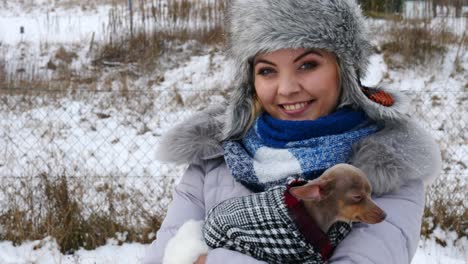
[357, 198]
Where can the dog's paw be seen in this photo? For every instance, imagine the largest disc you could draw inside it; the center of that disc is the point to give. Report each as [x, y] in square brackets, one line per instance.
[187, 245]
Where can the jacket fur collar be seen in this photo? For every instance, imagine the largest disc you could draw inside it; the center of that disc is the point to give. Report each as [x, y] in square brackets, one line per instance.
[400, 152]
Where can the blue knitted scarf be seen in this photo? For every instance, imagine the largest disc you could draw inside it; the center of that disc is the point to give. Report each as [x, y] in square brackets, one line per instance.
[274, 150]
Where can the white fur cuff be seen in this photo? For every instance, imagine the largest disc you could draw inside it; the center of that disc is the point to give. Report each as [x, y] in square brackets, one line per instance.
[187, 245]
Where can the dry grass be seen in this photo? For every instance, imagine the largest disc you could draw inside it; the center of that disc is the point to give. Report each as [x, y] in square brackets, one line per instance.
[43, 205]
[156, 26]
[416, 42]
[22, 82]
[145, 49]
[383, 8]
[410, 43]
[3, 72]
[62, 81]
[65, 56]
[141, 48]
[56, 75]
[413, 41]
[446, 209]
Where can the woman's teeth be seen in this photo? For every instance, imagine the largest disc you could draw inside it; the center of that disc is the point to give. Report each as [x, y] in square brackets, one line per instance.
[293, 107]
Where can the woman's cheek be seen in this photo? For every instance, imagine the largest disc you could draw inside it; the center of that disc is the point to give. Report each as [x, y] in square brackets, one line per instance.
[263, 91]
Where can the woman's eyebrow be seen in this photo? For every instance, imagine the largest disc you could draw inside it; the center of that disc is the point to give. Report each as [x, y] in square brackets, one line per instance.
[307, 53]
[257, 61]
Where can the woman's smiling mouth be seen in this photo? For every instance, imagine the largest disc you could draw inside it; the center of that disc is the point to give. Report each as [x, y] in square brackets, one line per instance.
[295, 108]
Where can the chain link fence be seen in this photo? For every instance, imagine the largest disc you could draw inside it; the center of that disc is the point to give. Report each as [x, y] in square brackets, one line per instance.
[108, 134]
[91, 155]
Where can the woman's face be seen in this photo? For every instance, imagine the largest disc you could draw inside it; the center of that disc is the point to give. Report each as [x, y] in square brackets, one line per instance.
[297, 84]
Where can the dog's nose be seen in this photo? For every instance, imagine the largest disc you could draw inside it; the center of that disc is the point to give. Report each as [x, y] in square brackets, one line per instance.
[383, 216]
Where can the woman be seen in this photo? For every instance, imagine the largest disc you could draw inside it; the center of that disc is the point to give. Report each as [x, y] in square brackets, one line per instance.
[297, 109]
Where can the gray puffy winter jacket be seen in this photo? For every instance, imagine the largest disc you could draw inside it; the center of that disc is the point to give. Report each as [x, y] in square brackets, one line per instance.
[400, 161]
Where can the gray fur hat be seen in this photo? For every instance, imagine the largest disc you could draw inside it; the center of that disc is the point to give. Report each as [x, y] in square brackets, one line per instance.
[261, 26]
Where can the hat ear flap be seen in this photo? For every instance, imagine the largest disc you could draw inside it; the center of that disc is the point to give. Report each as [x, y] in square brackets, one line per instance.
[237, 116]
[315, 190]
[240, 106]
[376, 102]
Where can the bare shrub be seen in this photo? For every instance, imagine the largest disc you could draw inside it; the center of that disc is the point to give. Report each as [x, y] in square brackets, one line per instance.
[446, 208]
[59, 206]
[21, 73]
[65, 56]
[412, 36]
[62, 219]
[3, 74]
[411, 42]
[140, 48]
[162, 24]
[381, 8]
[17, 82]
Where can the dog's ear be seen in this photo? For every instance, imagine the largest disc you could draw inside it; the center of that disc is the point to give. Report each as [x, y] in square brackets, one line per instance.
[315, 190]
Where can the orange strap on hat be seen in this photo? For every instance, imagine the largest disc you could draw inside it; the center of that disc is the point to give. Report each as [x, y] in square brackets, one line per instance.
[379, 96]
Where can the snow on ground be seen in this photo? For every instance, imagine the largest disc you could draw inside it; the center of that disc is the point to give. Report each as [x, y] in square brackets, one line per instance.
[53, 25]
[89, 133]
[46, 252]
[429, 252]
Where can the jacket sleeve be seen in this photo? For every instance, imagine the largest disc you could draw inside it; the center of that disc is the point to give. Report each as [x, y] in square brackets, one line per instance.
[395, 240]
[188, 203]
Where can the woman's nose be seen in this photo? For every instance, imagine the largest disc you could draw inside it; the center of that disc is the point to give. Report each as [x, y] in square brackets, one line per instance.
[288, 85]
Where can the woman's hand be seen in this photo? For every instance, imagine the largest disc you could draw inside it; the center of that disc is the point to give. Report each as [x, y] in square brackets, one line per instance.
[201, 259]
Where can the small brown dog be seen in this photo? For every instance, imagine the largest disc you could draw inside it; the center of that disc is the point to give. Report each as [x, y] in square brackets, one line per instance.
[299, 223]
[341, 193]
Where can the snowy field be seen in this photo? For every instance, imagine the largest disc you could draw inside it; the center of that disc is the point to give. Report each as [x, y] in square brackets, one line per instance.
[98, 133]
[428, 253]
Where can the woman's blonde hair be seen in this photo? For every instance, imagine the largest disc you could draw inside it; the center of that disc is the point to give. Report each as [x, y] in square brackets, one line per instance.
[256, 111]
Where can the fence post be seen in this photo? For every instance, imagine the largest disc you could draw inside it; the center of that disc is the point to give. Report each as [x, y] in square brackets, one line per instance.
[458, 8]
[131, 17]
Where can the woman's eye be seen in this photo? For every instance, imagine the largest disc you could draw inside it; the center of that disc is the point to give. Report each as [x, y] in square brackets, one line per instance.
[265, 71]
[308, 65]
